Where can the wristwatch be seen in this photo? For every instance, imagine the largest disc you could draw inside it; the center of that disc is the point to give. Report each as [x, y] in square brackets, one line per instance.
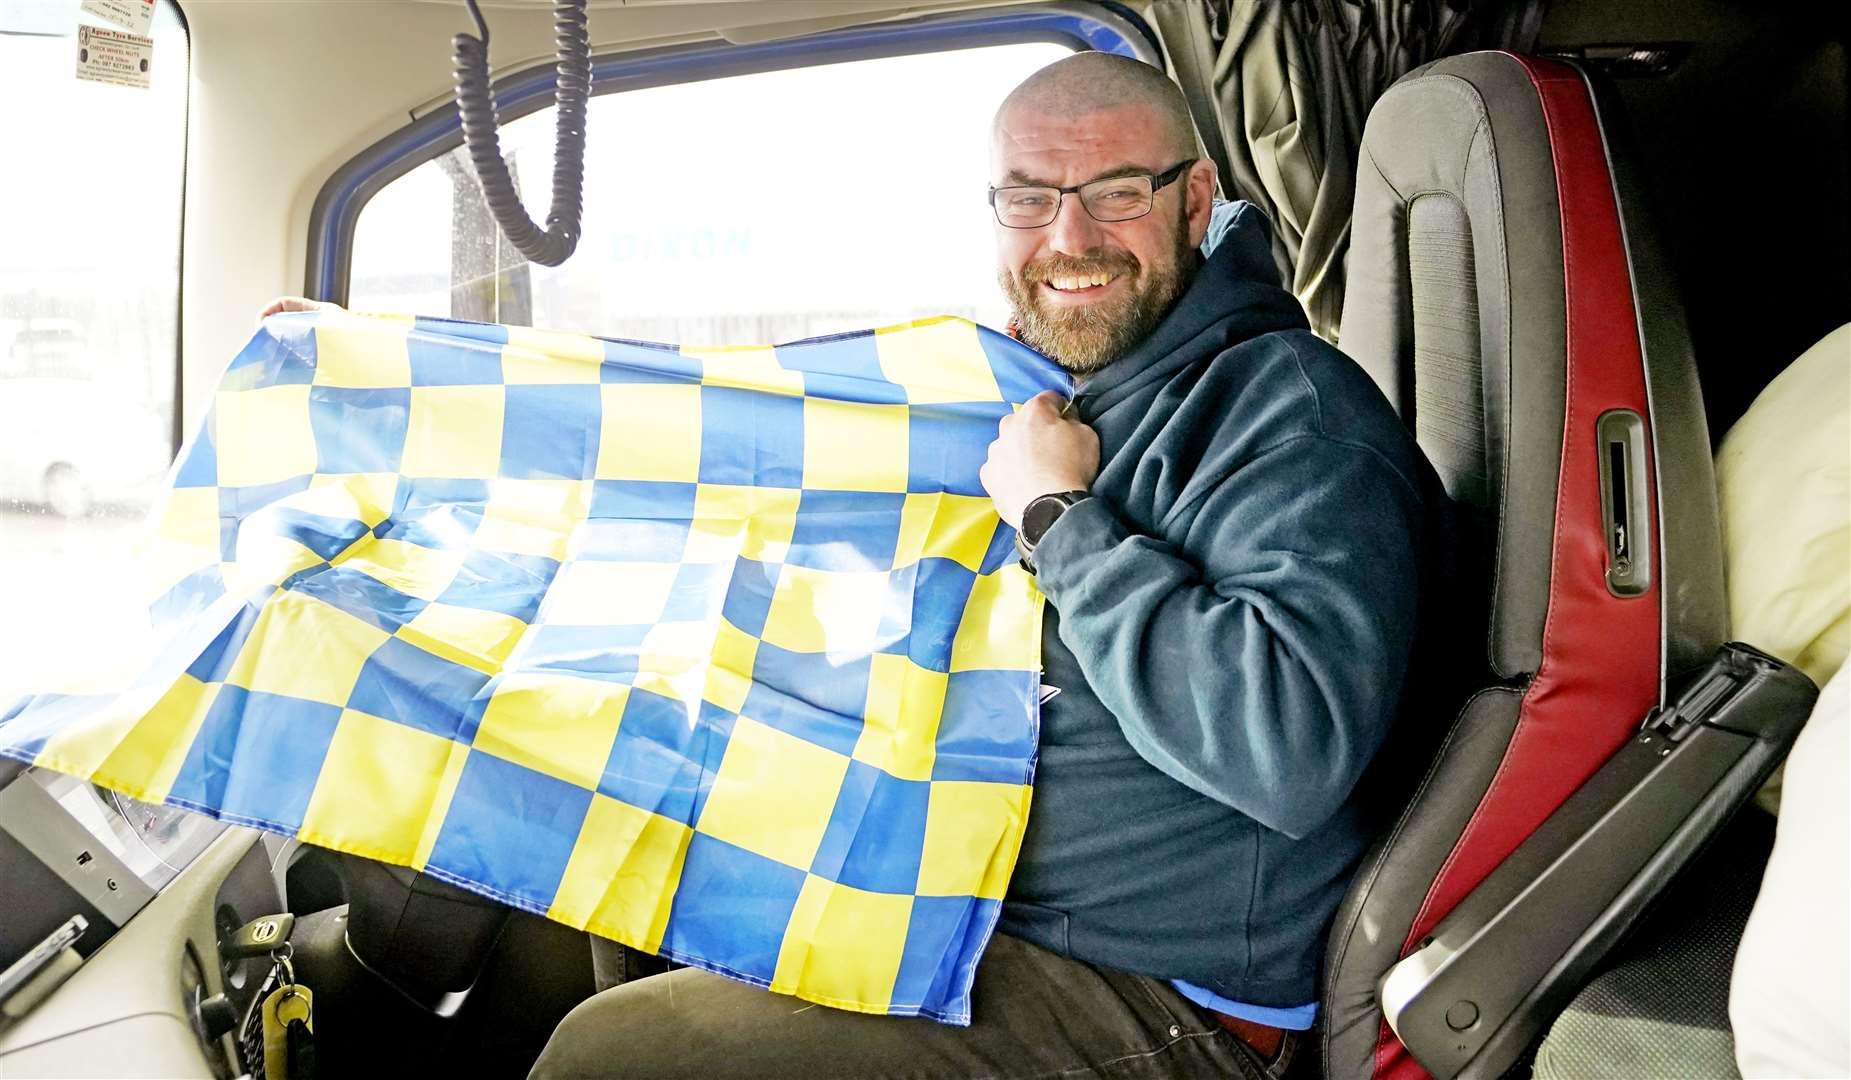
[1037, 518]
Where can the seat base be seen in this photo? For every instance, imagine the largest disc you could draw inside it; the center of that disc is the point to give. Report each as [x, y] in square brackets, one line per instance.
[1661, 1006]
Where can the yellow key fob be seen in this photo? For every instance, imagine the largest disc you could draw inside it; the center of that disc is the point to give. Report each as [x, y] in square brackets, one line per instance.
[289, 1002]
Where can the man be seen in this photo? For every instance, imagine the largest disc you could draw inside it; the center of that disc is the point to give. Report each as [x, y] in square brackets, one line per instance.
[1232, 530]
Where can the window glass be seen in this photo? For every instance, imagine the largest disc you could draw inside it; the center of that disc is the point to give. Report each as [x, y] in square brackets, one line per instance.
[89, 302]
[747, 210]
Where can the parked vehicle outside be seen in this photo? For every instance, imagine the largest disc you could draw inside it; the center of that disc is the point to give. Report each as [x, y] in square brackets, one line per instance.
[71, 441]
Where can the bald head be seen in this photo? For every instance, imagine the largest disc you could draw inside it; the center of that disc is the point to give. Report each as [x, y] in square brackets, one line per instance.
[1095, 82]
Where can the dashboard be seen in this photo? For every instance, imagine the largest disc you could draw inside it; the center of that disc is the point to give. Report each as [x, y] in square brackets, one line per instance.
[114, 911]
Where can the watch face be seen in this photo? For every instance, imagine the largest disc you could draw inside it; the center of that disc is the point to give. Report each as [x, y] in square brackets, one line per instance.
[1039, 515]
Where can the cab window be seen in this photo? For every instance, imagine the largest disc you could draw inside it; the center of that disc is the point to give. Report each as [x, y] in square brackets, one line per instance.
[745, 210]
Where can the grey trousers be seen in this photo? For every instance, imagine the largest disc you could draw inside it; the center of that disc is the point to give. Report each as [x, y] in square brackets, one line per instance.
[1037, 1015]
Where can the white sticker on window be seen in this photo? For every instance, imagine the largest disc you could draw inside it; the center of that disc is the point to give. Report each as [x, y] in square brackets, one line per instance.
[108, 56]
[135, 16]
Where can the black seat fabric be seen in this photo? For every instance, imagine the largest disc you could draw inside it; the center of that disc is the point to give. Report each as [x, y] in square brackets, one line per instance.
[424, 935]
[1504, 294]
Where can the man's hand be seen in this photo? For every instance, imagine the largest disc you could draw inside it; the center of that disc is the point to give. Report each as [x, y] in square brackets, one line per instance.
[294, 303]
[1038, 452]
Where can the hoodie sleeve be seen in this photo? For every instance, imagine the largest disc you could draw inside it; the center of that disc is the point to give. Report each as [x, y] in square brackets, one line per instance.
[1259, 657]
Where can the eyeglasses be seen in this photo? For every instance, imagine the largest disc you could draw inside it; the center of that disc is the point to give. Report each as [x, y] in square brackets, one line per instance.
[1115, 198]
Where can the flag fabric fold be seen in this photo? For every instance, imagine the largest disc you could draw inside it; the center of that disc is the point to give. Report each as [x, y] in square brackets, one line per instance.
[720, 653]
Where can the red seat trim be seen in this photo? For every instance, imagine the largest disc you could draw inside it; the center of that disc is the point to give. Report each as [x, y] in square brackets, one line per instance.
[1600, 659]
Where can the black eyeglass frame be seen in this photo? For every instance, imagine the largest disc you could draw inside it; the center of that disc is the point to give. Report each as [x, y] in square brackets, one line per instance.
[1158, 181]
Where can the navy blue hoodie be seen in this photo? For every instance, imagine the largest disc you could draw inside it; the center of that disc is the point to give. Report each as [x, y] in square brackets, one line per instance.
[1234, 615]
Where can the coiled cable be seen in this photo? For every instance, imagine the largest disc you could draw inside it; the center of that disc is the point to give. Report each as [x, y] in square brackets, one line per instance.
[475, 102]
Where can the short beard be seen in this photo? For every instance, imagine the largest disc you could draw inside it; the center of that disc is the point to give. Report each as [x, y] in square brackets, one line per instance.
[1084, 340]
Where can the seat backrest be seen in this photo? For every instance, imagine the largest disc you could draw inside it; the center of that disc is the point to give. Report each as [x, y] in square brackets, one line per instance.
[1504, 293]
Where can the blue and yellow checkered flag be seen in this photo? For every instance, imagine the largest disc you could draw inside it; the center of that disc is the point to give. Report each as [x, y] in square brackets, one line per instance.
[720, 653]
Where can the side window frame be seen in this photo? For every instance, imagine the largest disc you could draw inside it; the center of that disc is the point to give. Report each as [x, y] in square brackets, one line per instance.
[177, 430]
[336, 213]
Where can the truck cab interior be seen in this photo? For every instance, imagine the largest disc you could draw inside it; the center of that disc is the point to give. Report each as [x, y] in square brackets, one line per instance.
[1572, 242]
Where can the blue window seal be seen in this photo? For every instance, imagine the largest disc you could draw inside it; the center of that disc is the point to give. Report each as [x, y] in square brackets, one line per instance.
[1104, 27]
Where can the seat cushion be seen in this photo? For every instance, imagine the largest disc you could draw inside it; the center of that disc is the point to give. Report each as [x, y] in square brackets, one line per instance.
[1661, 1006]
